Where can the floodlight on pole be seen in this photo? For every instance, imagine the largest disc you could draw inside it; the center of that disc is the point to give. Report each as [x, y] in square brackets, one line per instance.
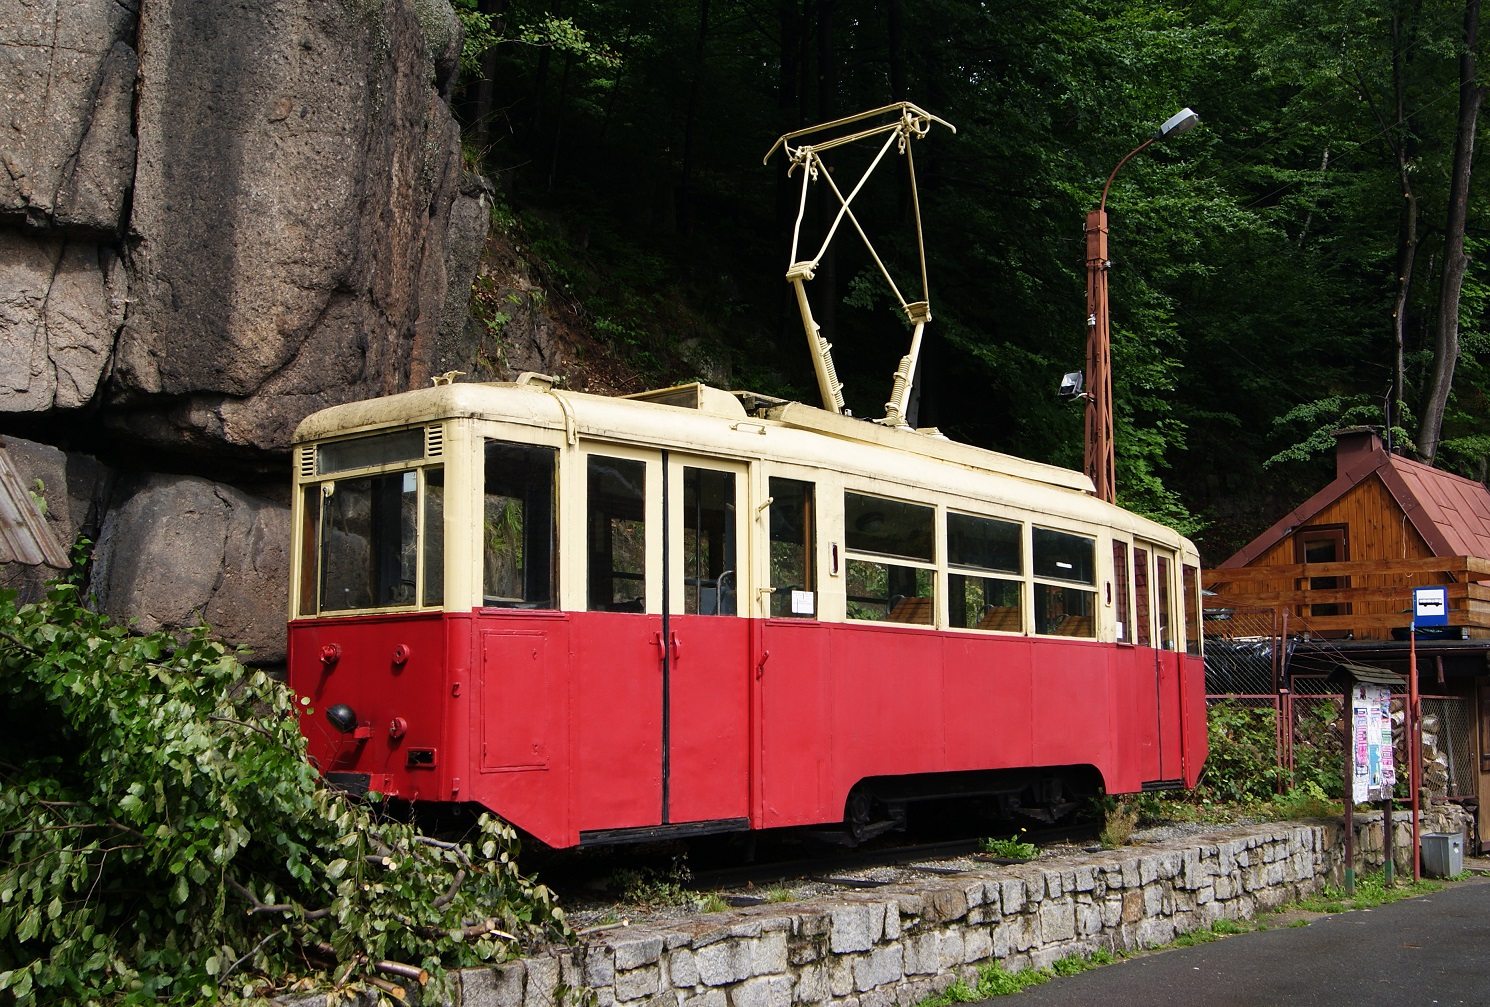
[1099, 454]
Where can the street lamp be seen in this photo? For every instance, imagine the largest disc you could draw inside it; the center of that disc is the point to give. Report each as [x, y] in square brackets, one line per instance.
[1099, 456]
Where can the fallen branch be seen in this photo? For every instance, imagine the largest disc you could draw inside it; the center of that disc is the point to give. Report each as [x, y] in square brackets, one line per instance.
[414, 972]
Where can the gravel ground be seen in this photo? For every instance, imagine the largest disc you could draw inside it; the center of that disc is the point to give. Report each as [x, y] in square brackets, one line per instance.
[670, 901]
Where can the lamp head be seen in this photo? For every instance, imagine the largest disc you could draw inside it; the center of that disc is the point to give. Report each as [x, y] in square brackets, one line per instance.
[1176, 124]
[1071, 386]
[342, 717]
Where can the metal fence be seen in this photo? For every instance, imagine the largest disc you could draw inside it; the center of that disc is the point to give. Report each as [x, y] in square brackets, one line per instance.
[1250, 663]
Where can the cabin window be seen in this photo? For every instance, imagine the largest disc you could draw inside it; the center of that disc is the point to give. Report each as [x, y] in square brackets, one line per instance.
[1067, 608]
[368, 541]
[975, 600]
[517, 526]
[1324, 544]
[1192, 609]
[1120, 586]
[878, 587]
[616, 552]
[710, 573]
[793, 549]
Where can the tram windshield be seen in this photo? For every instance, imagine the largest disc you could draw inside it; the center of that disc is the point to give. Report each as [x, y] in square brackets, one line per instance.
[367, 533]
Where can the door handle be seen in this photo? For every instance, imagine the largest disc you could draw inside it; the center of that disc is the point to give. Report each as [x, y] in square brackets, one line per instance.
[760, 666]
[677, 646]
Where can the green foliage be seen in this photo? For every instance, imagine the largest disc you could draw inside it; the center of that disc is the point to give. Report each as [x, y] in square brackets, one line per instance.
[1012, 848]
[711, 903]
[652, 887]
[1118, 825]
[163, 838]
[1240, 767]
[1254, 268]
[1371, 890]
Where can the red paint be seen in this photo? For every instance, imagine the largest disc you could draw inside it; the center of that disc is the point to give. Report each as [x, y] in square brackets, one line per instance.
[555, 720]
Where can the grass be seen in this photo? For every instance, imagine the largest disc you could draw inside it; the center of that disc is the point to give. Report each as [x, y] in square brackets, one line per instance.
[1118, 826]
[1370, 891]
[994, 980]
[712, 903]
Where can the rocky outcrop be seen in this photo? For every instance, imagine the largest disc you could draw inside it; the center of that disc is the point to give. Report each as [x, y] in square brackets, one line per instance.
[179, 552]
[223, 216]
[296, 171]
[61, 301]
[67, 73]
[215, 219]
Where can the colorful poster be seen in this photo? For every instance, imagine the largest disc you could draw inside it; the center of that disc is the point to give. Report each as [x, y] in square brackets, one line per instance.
[1374, 773]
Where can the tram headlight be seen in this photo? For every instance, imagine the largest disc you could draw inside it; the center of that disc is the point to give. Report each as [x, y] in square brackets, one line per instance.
[342, 717]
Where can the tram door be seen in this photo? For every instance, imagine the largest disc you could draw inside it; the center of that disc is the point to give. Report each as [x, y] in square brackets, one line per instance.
[706, 641]
[1158, 603]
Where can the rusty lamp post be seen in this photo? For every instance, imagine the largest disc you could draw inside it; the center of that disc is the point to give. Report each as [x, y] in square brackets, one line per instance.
[1099, 455]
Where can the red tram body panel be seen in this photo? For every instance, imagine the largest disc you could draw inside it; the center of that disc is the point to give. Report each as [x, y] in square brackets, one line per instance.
[654, 642]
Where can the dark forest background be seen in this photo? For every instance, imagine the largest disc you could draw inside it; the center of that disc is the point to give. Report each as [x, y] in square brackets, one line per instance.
[1303, 260]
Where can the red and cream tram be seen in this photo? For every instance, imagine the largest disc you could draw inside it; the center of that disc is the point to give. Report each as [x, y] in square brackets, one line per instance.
[695, 611]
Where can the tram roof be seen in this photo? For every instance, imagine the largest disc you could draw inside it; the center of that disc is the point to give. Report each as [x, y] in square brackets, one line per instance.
[728, 421]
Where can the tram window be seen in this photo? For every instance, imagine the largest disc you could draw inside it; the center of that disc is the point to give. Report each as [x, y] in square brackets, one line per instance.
[1192, 609]
[1162, 603]
[434, 536]
[517, 526]
[365, 452]
[984, 543]
[793, 549]
[617, 549]
[1062, 556]
[1120, 586]
[1061, 610]
[888, 527]
[985, 603]
[889, 592]
[710, 575]
[368, 543]
[1065, 611]
[310, 523]
[1141, 623]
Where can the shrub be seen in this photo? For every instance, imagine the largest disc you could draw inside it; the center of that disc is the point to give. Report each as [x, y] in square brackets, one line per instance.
[1242, 766]
[163, 838]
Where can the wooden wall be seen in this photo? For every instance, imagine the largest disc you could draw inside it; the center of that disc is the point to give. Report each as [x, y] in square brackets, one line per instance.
[1378, 528]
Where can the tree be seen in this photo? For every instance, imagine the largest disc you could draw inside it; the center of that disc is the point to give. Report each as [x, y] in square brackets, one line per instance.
[1455, 261]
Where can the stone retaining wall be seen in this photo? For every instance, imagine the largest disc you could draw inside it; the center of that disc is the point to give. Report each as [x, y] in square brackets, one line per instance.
[894, 946]
[900, 944]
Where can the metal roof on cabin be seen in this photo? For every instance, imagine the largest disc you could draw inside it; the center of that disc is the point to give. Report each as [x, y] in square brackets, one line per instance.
[1450, 512]
[24, 535]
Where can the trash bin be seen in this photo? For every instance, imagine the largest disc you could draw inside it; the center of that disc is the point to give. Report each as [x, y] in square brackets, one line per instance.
[1443, 854]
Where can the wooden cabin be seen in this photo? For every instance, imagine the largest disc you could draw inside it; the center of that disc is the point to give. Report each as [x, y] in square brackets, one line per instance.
[1338, 571]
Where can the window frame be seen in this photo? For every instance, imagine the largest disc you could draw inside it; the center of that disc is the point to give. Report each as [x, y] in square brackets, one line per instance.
[892, 561]
[1020, 578]
[1090, 589]
[309, 530]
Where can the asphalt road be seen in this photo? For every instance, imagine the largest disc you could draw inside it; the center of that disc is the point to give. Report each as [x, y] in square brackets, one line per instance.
[1429, 950]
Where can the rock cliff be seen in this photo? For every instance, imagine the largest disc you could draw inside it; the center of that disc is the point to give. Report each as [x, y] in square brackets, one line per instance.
[215, 219]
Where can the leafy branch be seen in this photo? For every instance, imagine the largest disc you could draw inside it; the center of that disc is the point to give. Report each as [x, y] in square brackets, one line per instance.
[164, 839]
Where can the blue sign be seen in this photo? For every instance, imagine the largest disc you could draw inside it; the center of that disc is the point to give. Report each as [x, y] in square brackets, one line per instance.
[1430, 606]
